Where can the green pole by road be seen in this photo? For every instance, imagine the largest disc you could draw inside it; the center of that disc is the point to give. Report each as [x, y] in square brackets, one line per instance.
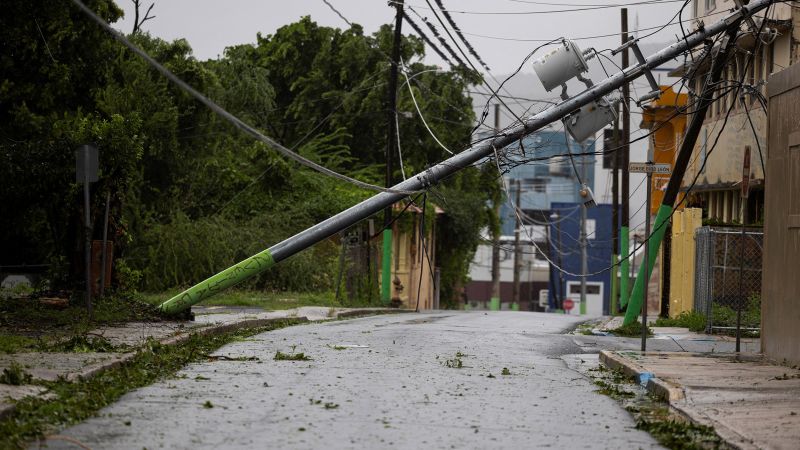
[386, 267]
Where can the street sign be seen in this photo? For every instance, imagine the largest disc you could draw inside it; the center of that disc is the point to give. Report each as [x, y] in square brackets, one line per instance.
[568, 304]
[746, 172]
[662, 168]
[86, 164]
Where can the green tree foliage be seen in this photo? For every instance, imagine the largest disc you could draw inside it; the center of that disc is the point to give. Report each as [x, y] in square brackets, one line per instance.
[190, 193]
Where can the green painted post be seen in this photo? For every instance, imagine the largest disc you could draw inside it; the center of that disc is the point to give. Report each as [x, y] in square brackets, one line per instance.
[386, 267]
[625, 267]
[614, 285]
[219, 282]
[515, 306]
[583, 308]
[494, 304]
[660, 227]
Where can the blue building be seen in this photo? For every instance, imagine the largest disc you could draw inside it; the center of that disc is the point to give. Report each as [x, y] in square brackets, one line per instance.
[545, 174]
[564, 234]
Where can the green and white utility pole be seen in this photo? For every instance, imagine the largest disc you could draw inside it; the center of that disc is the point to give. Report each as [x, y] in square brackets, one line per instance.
[391, 142]
[494, 296]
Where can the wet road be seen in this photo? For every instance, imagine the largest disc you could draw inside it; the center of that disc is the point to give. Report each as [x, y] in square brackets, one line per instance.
[379, 382]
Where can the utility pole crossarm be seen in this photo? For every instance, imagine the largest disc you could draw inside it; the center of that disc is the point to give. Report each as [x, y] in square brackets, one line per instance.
[466, 158]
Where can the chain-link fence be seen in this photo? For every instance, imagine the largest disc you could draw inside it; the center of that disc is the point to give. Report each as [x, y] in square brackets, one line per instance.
[728, 277]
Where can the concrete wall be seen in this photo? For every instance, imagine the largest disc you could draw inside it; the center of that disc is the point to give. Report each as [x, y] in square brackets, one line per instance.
[681, 287]
[780, 295]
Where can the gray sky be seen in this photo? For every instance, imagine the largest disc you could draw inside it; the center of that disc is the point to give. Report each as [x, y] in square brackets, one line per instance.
[499, 39]
[210, 26]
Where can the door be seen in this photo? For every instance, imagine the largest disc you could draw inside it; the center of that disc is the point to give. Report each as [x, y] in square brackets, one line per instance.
[594, 298]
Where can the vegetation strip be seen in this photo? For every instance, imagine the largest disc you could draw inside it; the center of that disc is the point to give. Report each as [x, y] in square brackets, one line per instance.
[652, 414]
[73, 402]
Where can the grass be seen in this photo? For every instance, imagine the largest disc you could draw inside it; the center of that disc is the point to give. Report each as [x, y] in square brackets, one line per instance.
[73, 402]
[28, 325]
[15, 375]
[633, 329]
[692, 320]
[269, 301]
[652, 414]
[680, 435]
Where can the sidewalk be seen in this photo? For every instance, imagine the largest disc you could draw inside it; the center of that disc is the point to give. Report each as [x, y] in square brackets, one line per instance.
[73, 366]
[750, 401]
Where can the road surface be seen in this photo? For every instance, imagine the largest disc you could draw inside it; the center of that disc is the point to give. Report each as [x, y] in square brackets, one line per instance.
[379, 382]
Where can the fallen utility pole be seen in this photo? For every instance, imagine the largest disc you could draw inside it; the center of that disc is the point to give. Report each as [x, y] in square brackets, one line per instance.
[681, 163]
[288, 247]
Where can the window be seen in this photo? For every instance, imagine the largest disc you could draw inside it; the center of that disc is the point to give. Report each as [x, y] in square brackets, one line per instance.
[710, 5]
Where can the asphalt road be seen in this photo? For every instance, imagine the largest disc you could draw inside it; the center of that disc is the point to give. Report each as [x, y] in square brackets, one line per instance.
[390, 387]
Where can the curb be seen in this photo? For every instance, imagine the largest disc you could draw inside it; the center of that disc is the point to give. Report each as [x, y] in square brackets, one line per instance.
[96, 369]
[674, 395]
[371, 312]
[664, 389]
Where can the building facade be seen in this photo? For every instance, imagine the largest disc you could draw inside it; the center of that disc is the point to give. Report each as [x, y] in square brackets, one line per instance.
[738, 119]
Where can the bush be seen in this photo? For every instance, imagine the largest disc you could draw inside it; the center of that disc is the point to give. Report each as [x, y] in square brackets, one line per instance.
[725, 316]
[633, 329]
[184, 252]
[692, 320]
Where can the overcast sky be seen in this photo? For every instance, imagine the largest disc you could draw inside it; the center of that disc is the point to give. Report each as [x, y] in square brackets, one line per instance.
[210, 26]
[502, 32]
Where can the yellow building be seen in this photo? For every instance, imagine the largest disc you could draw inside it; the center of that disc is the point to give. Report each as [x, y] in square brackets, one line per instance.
[665, 117]
[673, 274]
[413, 266]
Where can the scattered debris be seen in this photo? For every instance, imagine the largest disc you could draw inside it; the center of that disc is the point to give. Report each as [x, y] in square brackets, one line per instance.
[15, 375]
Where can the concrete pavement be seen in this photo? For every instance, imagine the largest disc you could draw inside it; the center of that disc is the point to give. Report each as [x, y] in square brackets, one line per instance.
[129, 337]
[752, 403]
[433, 380]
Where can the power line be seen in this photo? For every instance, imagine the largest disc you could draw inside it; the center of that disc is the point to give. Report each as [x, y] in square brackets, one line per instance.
[337, 12]
[426, 38]
[458, 32]
[554, 11]
[435, 14]
[439, 36]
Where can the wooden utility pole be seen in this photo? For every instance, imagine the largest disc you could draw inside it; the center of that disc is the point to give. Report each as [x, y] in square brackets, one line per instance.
[494, 301]
[517, 249]
[624, 234]
[615, 219]
[391, 139]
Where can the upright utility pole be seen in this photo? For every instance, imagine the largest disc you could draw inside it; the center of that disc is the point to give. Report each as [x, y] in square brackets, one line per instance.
[517, 251]
[615, 220]
[624, 232]
[645, 262]
[584, 254]
[494, 301]
[391, 140]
